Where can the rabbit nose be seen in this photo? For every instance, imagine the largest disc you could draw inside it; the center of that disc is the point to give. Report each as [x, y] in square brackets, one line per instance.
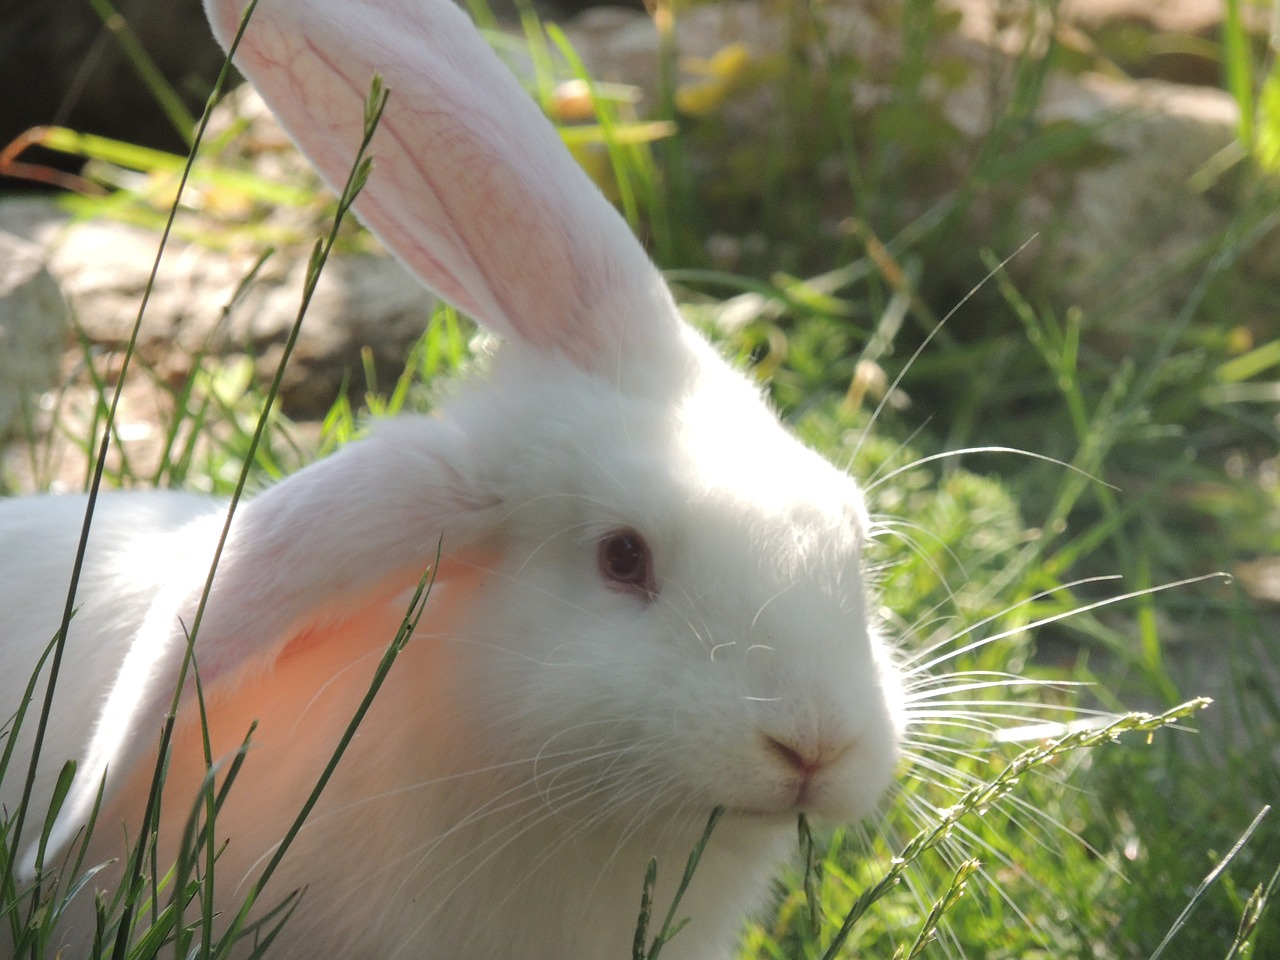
[806, 762]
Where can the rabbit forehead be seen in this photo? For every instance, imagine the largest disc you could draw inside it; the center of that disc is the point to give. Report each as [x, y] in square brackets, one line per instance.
[706, 439]
[725, 496]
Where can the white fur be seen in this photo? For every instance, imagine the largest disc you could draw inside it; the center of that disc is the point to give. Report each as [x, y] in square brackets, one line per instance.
[545, 733]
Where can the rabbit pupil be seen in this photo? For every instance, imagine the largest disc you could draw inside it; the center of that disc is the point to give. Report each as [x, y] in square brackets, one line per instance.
[625, 560]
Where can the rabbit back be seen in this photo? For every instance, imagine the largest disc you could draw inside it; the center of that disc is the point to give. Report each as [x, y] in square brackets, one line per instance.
[137, 540]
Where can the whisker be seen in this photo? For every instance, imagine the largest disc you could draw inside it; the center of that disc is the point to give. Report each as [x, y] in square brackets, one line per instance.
[924, 344]
[897, 528]
[1076, 611]
[965, 451]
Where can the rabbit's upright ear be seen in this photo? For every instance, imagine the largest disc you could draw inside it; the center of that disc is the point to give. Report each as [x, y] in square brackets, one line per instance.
[471, 187]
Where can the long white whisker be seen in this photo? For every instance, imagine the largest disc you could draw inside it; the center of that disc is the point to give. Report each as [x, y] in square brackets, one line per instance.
[927, 651]
[924, 344]
[1086, 608]
[964, 451]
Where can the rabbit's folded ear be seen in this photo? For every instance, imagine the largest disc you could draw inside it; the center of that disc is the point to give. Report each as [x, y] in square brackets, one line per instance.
[336, 544]
[471, 187]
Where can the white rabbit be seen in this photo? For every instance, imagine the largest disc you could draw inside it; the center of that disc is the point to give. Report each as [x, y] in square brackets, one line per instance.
[650, 601]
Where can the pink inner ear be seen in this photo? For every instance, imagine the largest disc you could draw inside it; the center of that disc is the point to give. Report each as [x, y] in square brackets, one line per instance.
[376, 620]
[372, 621]
[462, 191]
[299, 706]
[471, 187]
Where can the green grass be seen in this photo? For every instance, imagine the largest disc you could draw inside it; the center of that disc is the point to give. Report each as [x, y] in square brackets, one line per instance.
[1163, 439]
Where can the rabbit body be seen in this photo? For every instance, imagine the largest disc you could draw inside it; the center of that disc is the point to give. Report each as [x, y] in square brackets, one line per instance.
[647, 602]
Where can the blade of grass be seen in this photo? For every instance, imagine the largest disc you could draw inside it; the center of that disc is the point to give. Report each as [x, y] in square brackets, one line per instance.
[1207, 882]
[95, 484]
[146, 159]
[982, 796]
[151, 75]
[1239, 68]
[670, 927]
[1254, 908]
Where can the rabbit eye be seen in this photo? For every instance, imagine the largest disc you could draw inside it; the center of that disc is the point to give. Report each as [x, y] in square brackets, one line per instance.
[625, 560]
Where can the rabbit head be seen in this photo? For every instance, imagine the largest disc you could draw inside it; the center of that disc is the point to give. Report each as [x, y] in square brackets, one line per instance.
[649, 599]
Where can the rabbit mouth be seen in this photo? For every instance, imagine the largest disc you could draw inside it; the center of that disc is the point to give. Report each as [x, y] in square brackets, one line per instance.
[763, 815]
[787, 814]
[814, 800]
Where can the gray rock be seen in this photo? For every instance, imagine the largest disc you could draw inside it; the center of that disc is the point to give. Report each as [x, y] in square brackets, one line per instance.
[34, 324]
[1126, 235]
[366, 302]
[102, 268]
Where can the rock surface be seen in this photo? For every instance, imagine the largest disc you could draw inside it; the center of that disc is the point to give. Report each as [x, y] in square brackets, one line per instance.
[34, 322]
[102, 268]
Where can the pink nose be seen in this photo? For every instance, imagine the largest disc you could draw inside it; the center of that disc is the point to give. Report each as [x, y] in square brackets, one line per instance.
[805, 762]
[795, 758]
